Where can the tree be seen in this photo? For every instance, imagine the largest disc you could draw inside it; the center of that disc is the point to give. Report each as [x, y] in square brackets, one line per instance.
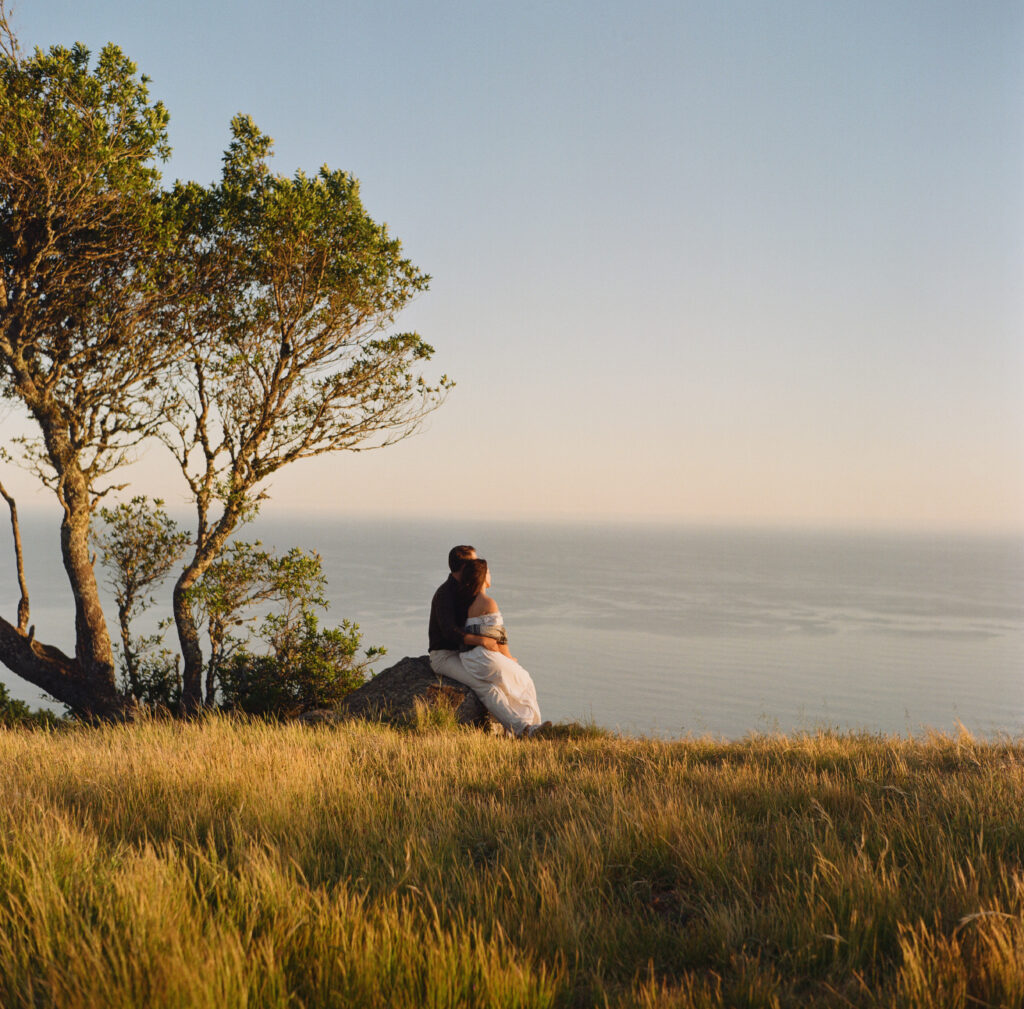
[19, 563]
[247, 324]
[296, 288]
[82, 288]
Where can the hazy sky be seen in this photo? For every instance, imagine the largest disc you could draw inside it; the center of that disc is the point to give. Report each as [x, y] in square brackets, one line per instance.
[750, 262]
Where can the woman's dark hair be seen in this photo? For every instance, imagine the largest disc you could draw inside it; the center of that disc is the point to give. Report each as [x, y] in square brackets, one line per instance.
[474, 574]
[458, 556]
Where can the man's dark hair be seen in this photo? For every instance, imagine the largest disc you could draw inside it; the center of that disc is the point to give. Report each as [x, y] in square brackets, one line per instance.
[458, 556]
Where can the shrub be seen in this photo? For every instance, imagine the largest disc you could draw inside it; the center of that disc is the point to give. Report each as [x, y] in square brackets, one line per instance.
[307, 668]
[15, 712]
[157, 682]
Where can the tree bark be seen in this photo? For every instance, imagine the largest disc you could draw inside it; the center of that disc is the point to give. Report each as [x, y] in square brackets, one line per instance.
[92, 639]
[85, 683]
[49, 669]
[131, 660]
[184, 619]
[188, 638]
[19, 561]
[217, 632]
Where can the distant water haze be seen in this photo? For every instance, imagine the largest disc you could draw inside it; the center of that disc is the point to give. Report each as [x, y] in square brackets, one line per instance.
[678, 630]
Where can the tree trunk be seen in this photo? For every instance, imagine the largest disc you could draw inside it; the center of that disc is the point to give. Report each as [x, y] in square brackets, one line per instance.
[184, 619]
[188, 638]
[19, 562]
[217, 632]
[92, 639]
[131, 660]
[85, 683]
[49, 669]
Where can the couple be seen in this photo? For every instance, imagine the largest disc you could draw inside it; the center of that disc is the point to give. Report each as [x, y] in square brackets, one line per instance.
[469, 644]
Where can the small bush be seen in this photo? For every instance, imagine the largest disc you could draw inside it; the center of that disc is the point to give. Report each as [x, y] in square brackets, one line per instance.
[156, 682]
[308, 668]
[14, 712]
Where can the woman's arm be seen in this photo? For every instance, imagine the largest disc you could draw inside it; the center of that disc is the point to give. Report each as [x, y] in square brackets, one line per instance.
[479, 639]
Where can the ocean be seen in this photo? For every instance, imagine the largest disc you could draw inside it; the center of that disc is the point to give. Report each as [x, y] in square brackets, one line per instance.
[671, 631]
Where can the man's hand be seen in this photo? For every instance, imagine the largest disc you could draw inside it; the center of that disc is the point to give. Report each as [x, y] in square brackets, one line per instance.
[481, 639]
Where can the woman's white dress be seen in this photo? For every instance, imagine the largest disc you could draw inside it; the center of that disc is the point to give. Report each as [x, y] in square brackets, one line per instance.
[510, 695]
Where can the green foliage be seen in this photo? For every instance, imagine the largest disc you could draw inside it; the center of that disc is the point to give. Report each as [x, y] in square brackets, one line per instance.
[306, 668]
[14, 712]
[139, 544]
[244, 576]
[99, 119]
[157, 682]
[293, 287]
[82, 231]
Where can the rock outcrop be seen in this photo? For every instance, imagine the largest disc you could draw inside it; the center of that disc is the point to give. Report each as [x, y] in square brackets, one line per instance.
[391, 696]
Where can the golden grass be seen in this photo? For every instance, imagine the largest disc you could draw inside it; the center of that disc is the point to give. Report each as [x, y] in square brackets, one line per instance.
[229, 863]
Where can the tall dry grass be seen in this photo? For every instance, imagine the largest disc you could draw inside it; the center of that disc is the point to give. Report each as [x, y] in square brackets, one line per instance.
[230, 864]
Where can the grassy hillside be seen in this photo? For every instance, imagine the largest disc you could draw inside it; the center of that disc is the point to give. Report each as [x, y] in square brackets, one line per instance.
[229, 864]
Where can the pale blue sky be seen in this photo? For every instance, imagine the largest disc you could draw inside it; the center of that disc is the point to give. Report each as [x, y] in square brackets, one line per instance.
[729, 262]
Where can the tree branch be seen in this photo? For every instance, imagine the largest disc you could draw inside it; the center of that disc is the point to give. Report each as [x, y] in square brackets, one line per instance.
[20, 561]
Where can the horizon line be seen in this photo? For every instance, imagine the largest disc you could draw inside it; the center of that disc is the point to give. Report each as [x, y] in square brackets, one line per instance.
[183, 514]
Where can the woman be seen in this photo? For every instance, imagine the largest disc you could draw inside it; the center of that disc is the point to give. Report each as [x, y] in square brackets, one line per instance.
[512, 698]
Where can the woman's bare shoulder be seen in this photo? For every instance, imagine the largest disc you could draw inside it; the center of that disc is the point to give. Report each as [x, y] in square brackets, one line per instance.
[481, 605]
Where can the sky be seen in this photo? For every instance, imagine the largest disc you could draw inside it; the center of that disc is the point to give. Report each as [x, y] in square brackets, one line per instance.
[751, 263]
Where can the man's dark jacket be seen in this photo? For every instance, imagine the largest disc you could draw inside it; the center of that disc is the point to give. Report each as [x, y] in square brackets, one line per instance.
[448, 611]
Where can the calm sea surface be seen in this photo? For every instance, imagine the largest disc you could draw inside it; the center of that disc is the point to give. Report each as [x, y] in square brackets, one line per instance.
[669, 631]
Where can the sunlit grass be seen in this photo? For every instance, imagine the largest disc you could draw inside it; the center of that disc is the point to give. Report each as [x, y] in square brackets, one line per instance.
[229, 863]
